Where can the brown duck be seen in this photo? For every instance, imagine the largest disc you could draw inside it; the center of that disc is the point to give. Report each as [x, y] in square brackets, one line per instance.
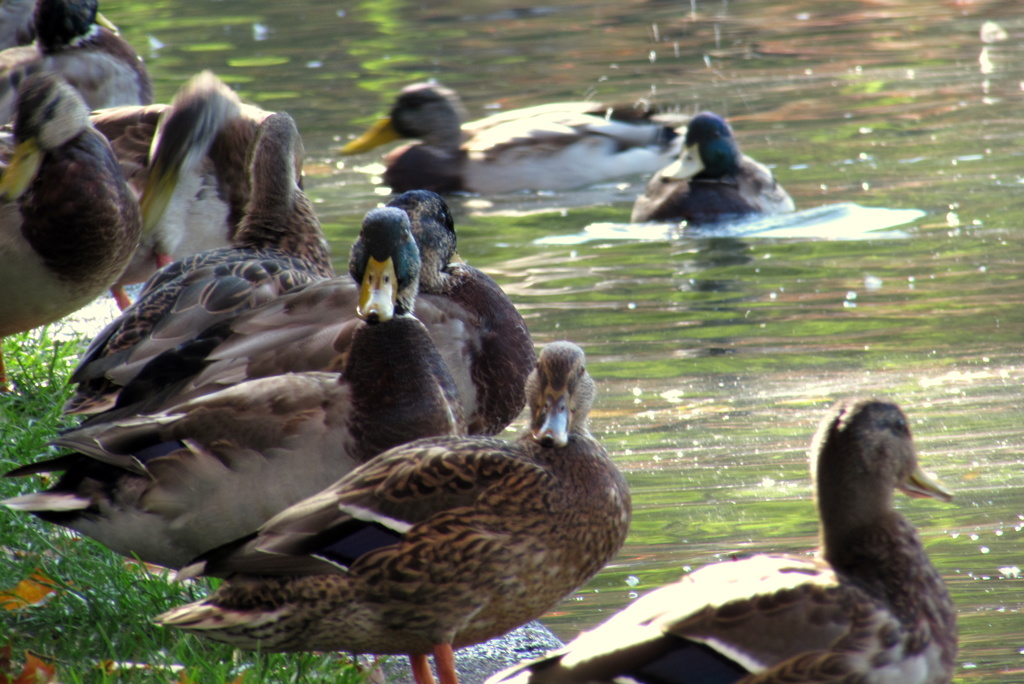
[168, 487]
[869, 607]
[440, 543]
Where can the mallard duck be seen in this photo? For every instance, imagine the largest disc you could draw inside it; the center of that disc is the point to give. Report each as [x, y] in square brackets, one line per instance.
[483, 338]
[549, 147]
[96, 61]
[441, 543]
[68, 222]
[278, 246]
[186, 162]
[168, 487]
[869, 607]
[712, 180]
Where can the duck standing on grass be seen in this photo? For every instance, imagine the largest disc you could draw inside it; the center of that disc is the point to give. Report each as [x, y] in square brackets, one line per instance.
[870, 607]
[168, 487]
[711, 181]
[441, 543]
[548, 147]
[68, 220]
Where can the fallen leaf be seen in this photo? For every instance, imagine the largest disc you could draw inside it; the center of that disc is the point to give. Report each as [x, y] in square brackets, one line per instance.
[36, 671]
[28, 592]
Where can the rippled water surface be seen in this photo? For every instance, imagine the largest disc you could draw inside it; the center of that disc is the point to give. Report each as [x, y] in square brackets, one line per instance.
[896, 128]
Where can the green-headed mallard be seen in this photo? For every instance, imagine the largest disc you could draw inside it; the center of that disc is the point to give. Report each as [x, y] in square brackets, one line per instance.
[97, 62]
[168, 487]
[278, 246]
[870, 607]
[68, 221]
[187, 162]
[441, 543]
[548, 147]
[711, 181]
[477, 329]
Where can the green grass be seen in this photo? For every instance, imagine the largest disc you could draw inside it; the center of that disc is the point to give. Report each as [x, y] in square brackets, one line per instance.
[102, 608]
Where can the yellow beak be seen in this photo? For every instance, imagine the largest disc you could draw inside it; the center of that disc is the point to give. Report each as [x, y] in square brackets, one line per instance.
[380, 133]
[378, 292]
[919, 486]
[106, 23]
[21, 170]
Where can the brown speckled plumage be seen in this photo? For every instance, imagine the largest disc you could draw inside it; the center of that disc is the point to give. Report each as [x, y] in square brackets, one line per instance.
[485, 535]
[474, 325]
[278, 246]
[870, 608]
[169, 486]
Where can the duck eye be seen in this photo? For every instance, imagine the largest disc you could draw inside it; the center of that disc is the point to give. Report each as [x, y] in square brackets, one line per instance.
[899, 426]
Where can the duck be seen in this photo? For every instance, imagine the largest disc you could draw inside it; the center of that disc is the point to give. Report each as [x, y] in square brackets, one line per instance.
[869, 606]
[478, 330]
[185, 161]
[437, 544]
[710, 181]
[167, 487]
[548, 147]
[279, 245]
[68, 221]
[73, 40]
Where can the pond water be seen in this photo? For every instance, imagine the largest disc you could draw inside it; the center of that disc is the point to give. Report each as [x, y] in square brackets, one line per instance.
[896, 127]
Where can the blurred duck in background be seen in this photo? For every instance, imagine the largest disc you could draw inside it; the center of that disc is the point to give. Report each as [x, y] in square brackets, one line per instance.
[187, 163]
[72, 41]
[710, 181]
[548, 147]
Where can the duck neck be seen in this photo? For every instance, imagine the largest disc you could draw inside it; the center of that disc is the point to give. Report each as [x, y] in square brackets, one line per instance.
[290, 226]
[400, 386]
[885, 558]
[721, 159]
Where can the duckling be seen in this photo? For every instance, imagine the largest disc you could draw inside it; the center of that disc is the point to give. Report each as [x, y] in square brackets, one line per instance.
[96, 61]
[279, 246]
[441, 543]
[712, 180]
[484, 340]
[168, 487]
[68, 221]
[549, 147]
[186, 162]
[869, 607]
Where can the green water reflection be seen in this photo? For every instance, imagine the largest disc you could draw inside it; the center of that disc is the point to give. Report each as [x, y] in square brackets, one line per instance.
[717, 355]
